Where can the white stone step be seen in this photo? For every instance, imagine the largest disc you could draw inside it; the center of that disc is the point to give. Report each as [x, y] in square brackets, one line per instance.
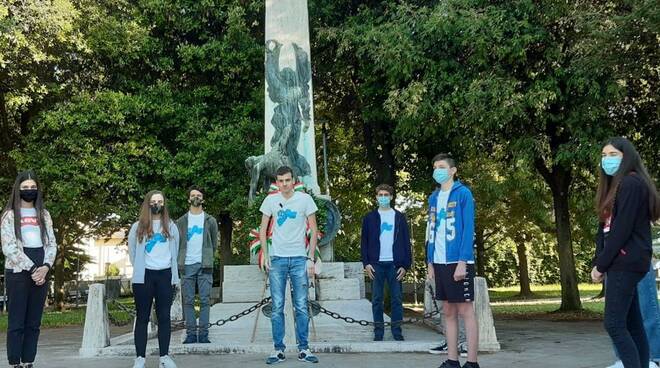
[241, 273]
[332, 270]
[355, 270]
[338, 289]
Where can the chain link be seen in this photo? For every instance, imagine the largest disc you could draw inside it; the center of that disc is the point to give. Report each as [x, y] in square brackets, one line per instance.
[181, 324]
[115, 320]
[362, 322]
[314, 306]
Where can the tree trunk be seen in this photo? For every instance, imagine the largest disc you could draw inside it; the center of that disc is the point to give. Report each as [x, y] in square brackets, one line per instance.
[58, 287]
[481, 250]
[523, 269]
[570, 295]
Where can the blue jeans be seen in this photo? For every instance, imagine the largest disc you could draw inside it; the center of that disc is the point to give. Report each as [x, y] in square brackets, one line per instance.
[648, 306]
[386, 272]
[294, 268]
[623, 319]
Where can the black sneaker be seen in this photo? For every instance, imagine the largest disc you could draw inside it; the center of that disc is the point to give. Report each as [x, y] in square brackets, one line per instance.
[470, 365]
[450, 364]
[399, 338]
[378, 338]
[442, 349]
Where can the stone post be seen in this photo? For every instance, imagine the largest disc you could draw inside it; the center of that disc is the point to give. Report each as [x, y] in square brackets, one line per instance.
[96, 334]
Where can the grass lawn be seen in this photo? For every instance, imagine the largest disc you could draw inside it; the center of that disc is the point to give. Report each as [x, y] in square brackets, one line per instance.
[507, 304]
[541, 292]
[73, 316]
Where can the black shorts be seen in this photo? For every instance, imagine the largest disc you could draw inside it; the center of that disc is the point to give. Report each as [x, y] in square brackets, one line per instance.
[447, 289]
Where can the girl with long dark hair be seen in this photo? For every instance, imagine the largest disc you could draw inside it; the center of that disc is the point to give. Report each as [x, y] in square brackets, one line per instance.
[28, 243]
[153, 246]
[627, 202]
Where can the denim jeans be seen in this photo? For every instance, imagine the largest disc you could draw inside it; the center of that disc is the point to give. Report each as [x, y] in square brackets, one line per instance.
[386, 272]
[295, 269]
[648, 306]
[623, 319]
[195, 275]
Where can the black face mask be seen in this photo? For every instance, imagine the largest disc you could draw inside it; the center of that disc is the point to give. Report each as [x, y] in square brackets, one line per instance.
[29, 195]
[156, 209]
[195, 201]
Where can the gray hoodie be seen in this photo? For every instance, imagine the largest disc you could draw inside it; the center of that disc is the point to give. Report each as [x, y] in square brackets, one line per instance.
[136, 253]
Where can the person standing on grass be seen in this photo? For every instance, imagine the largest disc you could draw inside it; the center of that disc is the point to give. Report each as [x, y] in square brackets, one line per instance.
[386, 255]
[153, 246]
[627, 202]
[196, 257]
[28, 243]
[450, 257]
[288, 258]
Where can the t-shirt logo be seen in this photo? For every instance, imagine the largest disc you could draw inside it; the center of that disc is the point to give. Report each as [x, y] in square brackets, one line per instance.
[157, 238]
[442, 214]
[283, 215]
[386, 227]
[194, 230]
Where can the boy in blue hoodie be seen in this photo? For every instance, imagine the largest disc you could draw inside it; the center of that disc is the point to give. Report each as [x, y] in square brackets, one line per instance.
[386, 256]
[450, 257]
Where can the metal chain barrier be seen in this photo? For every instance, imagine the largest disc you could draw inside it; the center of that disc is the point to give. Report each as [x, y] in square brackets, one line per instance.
[181, 324]
[365, 323]
[313, 305]
[115, 320]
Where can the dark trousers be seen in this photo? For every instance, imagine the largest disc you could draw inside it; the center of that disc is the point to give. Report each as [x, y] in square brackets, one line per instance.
[26, 306]
[157, 285]
[623, 319]
[385, 272]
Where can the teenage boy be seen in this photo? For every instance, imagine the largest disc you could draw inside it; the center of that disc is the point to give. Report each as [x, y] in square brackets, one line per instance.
[288, 258]
[386, 256]
[450, 257]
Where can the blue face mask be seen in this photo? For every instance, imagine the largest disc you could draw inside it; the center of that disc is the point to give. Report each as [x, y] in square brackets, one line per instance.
[384, 201]
[441, 176]
[610, 164]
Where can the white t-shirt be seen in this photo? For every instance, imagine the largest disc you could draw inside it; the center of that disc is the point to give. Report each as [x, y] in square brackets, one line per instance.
[195, 238]
[30, 230]
[157, 250]
[290, 217]
[386, 235]
[440, 254]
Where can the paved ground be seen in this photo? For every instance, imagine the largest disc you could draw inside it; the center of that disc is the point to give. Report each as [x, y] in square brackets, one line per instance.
[524, 344]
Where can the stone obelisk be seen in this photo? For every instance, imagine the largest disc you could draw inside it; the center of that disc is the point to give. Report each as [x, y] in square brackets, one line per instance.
[289, 112]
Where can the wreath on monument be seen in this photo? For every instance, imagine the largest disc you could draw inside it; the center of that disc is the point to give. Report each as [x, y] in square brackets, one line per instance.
[327, 220]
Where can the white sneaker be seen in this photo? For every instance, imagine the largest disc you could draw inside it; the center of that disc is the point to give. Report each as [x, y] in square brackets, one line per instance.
[139, 362]
[166, 362]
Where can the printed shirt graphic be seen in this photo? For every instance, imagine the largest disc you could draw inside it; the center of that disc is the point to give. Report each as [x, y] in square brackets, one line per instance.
[195, 238]
[444, 229]
[386, 235]
[157, 250]
[30, 230]
[290, 218]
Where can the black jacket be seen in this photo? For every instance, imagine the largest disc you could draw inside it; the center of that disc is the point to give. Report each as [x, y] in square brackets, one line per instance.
[370, 240]
[628, 245]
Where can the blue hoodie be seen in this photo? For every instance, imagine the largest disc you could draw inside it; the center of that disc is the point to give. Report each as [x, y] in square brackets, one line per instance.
[460, 208]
